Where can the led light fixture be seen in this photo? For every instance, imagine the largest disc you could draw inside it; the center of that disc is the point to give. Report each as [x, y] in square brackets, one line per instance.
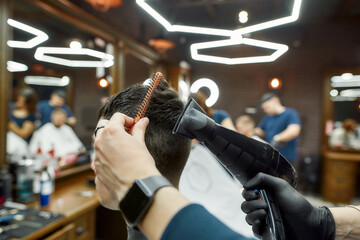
[345, 81]
[103, 82]
[208, 83]
[235, 36]
[40, 36]
[47, 81]
[350, 93]
[181, 28]
[279, 50]
[273, 23]
[106, 60]
[16, 67]
[243, 16]
[346, 77]
[334, 92]
[221, 32]
[343, 99]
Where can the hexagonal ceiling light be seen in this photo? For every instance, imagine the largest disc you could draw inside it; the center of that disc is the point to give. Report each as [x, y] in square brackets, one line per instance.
[40, 36]
[220, 32]
[280, 49]
[106, 60]
[181, 28]
[235, 36]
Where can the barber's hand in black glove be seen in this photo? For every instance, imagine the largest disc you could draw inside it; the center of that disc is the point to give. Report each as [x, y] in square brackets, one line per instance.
[301, 220]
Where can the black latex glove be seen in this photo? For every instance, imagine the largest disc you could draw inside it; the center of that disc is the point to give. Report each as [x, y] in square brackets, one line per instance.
[301, 220]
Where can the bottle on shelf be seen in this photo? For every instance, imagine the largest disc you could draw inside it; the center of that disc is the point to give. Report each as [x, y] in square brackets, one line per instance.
[46, 188]
[6, 180]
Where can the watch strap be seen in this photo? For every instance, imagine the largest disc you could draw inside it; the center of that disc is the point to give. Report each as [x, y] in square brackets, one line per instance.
[139, 198]
[154, 183]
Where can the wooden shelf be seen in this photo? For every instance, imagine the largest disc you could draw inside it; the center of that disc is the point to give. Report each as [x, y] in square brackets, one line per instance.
[69, 199]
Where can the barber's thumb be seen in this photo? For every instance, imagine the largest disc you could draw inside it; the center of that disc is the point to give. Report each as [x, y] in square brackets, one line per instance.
[262, 181]
[139, 129]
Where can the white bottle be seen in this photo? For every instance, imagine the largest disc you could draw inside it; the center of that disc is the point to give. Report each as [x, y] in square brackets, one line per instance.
[46, 188]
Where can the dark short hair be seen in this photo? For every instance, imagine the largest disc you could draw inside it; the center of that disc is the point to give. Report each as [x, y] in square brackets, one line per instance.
[169, 151]
[31, 98]
[267, 96]
[61, 93]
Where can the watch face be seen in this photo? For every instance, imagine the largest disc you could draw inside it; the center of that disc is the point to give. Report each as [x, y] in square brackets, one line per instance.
[135, 203]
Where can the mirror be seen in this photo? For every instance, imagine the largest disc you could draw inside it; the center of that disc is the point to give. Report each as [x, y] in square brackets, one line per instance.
[342, 114]
[53, 64]
[120, 60]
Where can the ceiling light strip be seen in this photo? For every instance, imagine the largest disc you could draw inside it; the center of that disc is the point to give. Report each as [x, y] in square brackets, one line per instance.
[221, 32]
[181, 28]
[154, 14]
[47, 81]
[280, 49]
[345, 84]
[350, 93]
[13, 66]
[107, 60]
[40, 35]
[274, 23]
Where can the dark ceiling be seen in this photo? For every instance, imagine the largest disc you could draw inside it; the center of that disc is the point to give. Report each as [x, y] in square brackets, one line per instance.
[133, 21]
[130, 19]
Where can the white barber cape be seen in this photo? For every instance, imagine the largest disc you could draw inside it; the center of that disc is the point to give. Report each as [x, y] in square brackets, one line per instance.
[62, 139]
[206, 182]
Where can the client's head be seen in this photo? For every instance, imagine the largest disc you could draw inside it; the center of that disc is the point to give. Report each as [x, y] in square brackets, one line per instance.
[169, 151]
[245, 125]
[58, 117]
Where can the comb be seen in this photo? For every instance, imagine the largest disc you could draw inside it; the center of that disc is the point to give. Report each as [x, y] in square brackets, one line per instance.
[146, 101]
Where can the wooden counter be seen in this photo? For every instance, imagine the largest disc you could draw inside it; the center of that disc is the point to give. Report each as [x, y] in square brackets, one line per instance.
[77, 201]
[339, 175]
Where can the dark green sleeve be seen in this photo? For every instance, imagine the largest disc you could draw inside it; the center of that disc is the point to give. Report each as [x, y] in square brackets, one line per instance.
[194, 222]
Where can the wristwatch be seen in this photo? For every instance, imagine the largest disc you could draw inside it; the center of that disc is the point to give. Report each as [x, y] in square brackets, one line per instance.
[139, 197]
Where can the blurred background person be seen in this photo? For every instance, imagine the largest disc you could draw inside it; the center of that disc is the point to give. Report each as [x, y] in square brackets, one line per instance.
[57, 100]
[246, 125]
[219, 116]
[344, 136]
[21, 123]
[56, 136]
[280, 127]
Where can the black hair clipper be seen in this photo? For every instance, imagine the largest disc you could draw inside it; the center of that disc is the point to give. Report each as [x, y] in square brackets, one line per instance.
[244, 157]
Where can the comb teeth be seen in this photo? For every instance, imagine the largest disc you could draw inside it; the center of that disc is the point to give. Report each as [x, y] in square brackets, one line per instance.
[146, 101]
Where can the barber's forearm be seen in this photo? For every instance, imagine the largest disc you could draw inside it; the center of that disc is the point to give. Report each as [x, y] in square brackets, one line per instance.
[347, 223]
[168, 201]
[71, 121]
[259, 132]
[289, 133]
[25, 131]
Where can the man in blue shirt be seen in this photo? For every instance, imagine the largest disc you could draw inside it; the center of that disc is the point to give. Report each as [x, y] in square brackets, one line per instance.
[280, 127]
[57, 100]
